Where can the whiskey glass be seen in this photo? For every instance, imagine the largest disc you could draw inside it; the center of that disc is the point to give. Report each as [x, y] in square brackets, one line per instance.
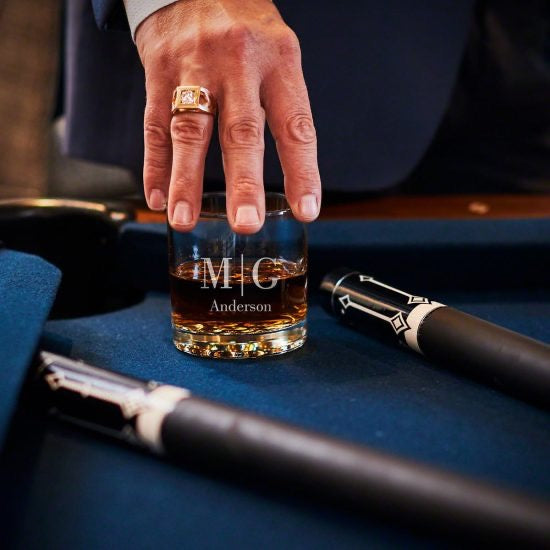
[239, 296]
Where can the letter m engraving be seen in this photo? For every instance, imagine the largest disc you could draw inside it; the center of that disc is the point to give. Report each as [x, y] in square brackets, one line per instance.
[209, 273]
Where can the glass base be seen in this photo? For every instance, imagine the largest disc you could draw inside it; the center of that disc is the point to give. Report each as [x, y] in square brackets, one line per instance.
[240, 346]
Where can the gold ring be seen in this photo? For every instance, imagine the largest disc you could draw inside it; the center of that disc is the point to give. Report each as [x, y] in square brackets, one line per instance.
[194, 99]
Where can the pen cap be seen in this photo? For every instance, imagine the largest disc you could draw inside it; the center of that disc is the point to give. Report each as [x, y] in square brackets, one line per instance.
[375, 307]
[329, 286]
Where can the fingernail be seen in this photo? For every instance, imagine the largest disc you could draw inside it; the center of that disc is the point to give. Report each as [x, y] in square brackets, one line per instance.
[247, 215]
[157, 200]
[308, 206]
[182, 214]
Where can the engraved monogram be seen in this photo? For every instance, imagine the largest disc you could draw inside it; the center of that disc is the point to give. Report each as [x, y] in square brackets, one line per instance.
[225, 268]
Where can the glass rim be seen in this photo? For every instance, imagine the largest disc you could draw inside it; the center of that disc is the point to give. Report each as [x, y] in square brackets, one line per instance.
[223, 215]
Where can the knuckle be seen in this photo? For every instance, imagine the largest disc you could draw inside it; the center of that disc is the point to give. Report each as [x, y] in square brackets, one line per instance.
[288, 44]
[247, 186]
[241, 40]
[209, 40]
[188, 131]
[182, 183]
[239, 33]
[244, 132]
[299, 128]
[156, 135]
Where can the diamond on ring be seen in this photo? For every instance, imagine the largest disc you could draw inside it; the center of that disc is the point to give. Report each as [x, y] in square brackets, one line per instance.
[187, 97]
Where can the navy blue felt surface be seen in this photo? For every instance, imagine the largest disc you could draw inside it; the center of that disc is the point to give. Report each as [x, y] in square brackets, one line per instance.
[28, 286]
[88, 492]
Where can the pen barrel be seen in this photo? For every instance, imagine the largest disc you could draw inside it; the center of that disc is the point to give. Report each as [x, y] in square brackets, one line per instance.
[169, 420]
[367, 478]
[450, 338]
[476, 347]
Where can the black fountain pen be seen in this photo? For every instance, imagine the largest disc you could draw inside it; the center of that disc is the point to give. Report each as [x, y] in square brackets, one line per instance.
[169, 420]
[451, 338]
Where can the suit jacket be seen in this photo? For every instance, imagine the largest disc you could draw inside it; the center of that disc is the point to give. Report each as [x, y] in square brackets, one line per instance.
[379, 75]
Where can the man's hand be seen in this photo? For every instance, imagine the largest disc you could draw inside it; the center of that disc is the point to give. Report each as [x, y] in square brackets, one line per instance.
[243, 52]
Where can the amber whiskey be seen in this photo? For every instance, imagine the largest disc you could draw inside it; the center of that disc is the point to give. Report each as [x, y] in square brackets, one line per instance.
[239, 307]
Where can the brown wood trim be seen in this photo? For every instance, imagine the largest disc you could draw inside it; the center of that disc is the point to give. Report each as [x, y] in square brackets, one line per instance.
[424, 207]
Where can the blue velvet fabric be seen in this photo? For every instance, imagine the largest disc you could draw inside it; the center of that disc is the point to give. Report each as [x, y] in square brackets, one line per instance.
[86, 491]
[28, 286]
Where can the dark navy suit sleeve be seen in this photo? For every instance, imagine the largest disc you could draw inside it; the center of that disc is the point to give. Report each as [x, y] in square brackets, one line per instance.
[110, 14]
[379, 74]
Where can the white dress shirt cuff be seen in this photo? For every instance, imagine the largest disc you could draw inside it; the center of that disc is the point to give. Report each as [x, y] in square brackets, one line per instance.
[138, 10]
